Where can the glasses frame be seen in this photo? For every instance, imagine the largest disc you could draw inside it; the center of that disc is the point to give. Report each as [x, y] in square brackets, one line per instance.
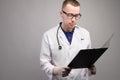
[70, 15]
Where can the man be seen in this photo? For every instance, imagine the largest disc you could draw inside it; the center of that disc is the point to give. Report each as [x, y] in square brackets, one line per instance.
[61, 44]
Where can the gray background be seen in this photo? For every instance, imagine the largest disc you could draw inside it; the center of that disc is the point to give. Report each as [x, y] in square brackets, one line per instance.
[22, 23]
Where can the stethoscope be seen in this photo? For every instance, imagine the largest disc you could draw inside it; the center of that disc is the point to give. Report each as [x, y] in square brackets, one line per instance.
[59, 46]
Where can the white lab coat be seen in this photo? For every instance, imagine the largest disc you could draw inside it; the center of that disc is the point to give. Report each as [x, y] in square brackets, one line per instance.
[51, 56]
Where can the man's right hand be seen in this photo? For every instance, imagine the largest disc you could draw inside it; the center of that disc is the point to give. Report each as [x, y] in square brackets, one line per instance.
[63, 71]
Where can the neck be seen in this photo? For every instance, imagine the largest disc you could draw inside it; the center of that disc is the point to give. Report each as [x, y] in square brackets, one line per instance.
[66, 29]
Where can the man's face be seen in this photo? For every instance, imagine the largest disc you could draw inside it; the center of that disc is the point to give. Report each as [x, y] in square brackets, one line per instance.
[70, 15]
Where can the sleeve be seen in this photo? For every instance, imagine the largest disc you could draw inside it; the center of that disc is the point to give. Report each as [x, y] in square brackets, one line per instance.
[45, 57]
[92, 68]
[85, 71]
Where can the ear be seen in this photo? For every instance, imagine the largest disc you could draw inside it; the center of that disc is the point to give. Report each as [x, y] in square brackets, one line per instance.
[61, 13]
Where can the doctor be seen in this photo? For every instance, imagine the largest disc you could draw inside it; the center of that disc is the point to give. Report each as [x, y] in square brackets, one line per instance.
[61, 44]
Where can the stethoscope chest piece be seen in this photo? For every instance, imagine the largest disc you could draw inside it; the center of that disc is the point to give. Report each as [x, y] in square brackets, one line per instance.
[60, 47]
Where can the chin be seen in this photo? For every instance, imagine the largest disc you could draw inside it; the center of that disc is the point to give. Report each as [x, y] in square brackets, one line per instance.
[71, 26]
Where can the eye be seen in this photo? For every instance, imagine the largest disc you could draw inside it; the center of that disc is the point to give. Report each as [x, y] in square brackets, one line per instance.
[70, 15]
[77, 15]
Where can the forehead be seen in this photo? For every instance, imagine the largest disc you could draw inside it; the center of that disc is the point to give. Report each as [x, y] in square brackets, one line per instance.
[72, 9]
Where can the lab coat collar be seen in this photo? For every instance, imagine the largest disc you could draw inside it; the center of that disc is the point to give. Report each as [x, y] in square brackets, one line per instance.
[63, 38]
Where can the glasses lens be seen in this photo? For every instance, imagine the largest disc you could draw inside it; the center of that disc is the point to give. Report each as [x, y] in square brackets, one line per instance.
[70, 15]
[77, 16]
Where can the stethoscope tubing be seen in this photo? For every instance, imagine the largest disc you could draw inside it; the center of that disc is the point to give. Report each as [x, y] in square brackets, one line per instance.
[59, 46]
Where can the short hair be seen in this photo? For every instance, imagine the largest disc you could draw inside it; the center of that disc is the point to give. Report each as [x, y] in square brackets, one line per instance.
[72, 2]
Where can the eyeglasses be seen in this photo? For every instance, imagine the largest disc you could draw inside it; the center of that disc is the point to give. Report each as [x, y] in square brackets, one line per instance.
[70, 15]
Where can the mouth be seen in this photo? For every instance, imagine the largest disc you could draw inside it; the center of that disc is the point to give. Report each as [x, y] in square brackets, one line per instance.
[72, 24]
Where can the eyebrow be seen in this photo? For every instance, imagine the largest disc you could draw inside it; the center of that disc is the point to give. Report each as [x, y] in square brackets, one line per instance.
[70, 13]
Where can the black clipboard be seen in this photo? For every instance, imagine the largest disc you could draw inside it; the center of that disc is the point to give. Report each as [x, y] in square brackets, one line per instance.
[86, 58]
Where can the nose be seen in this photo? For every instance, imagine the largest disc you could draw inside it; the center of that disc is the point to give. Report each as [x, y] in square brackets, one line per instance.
[73, 19]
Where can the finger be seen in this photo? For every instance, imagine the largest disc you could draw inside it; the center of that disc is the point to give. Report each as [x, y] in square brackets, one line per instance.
[68, 69]
[65, 73]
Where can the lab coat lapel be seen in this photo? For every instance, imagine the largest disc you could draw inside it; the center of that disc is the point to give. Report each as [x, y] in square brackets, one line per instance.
[75, 39]
[63, 38]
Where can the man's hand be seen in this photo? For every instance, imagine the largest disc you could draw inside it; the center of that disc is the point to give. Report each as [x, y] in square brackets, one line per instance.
[64, 71]
[92, 70]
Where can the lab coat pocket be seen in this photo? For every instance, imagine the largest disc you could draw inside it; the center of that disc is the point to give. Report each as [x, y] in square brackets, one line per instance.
[59, 57]
[84, 44]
